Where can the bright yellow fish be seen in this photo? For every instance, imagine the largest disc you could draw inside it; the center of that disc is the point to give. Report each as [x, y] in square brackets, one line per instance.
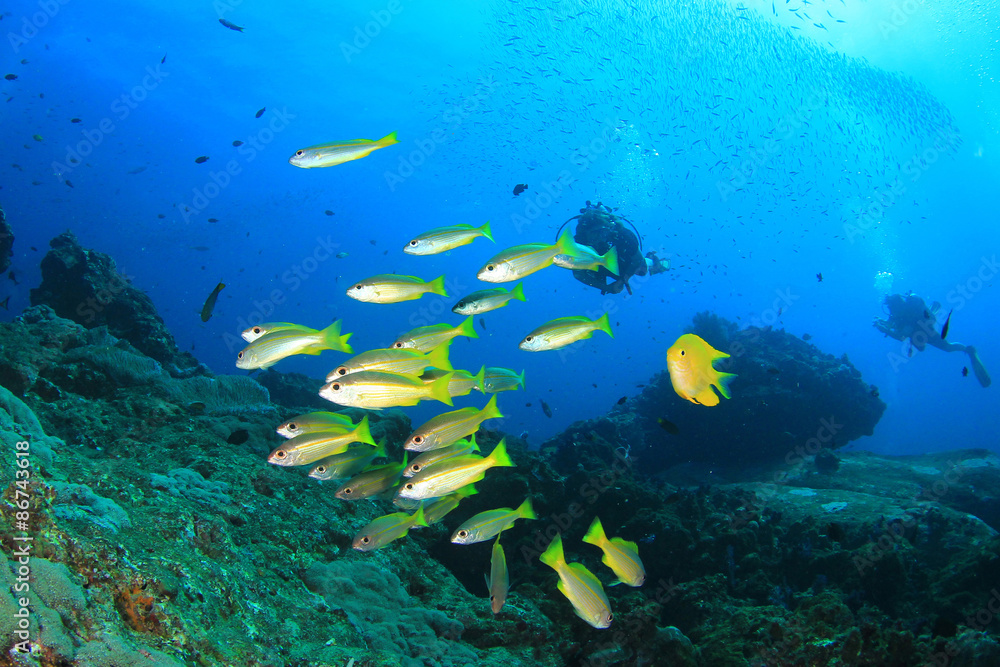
[579, 585]
[564, 331]
[391, 288]
[339, 152]
[443, 239]
[620, 555]
[523, 260]
[268, 350]
[373, 390]
[689, 361]
[427, 338]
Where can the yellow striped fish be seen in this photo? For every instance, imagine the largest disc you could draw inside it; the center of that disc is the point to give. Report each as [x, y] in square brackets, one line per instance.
[443, 239]
[523, 260]
[451, 475]
[339, 152]
[314, 422]
[564, 331]
[392, 288]
[268, 350]
[250, 334]
[310, 447]
[498, 379]
[462, 382]
[372, 481]
[620, 555]
[451, 426]
[585, 258]
[429, 458]
[427, 338]
[580, 586]
[374, 389]
[393, 360]
[485, 300]
[347, 464]
[499, 580]
[386, 529]
[488, 524]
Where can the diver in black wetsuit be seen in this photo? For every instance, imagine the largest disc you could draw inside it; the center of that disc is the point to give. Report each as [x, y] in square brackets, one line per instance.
[598, 227]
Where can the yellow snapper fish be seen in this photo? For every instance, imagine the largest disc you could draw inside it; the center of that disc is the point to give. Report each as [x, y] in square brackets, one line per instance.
[462, 382]
[373, 390]
[689, 361]
[250, 334]
[523, 260]
[433, 456]
[339, 152]
[425, 339]
[347, 464]
[386, 529]
[310, 447]
[314, 422]
[372, 481]
[585, 258]
[435, 510]
[449, 476]
[451, 427]
[443, 239]
[391, 288]
[268, 350]
[498, 583]
[487, 525]
[579, 585]
[620, 555]
[485, 300]
[393, 360]
[564, 331]
[502, 379]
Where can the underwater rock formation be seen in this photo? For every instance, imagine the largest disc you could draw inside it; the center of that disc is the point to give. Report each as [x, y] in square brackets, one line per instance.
[6, 242]
[86, 286]
[789, 400]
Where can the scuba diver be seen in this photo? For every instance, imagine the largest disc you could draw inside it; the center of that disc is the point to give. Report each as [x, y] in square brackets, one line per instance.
[910, 318]
[598, 227]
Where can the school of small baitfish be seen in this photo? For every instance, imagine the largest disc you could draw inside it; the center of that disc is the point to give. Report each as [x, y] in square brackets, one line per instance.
[415, 367]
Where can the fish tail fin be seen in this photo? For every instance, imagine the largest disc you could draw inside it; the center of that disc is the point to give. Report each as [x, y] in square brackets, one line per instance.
[486, 231]
[500, 457]
[362, 433]
[468, 328]
[526, 511]
[595, 534]
[472, 441]
[565, 243]
[388, 140]
[520, 378]
[491, 411]
[466, 491]
[439, 389]
[437, 286]
[518, 292]
[380, 450]
[723, 383]
[418, 518]
[610, 260]
[438, 358]
[331, 338]
[480, 379]
[604, 324]
[553, 554]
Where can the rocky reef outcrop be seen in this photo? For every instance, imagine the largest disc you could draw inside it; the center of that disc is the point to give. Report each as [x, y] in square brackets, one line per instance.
[6, 242]
[87, 287]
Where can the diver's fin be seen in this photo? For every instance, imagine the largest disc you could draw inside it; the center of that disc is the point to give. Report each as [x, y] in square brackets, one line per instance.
[978, 368]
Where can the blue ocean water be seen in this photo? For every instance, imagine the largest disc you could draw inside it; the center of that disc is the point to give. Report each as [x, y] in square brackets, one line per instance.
[753, 146]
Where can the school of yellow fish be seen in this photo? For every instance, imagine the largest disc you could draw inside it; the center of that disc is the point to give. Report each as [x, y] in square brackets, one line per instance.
[446, 460]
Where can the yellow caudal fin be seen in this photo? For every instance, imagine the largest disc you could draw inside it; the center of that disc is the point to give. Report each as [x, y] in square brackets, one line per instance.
[491, 411]
[480, 379]
[520, 379]
[362, 433]
[436, 286]
[500, 457]
[525, 511]
[565, 243]
[485, 231]
[331, 339]
[418, 518]
[379, 449]
[604, 324]
[388, 140]
[610, 260]
[438, 389]
[553, 554]
[518, 292]
[468, 328]
[595, 534]
[722, 382]
[438, 358]
[472, 442]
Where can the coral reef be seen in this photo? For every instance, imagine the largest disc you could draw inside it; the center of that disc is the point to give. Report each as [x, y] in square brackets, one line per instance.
[6, 242]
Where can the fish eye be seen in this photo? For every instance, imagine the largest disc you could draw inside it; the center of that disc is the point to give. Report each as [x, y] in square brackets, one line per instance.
[365, 540]
[239, 356]
[417, 439]
[292, 426]
[397, 345]
[299, 153]
[256, 330]
[528, 339]
[610, 618]
[335, 386]
[416, 467]
[409, 487]
[463, 533]
[359, 286]
[682, 353]
[490, 267]
[413, 242]
[320, 469]
[281, 453]
[342, 371]
[348, 491]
